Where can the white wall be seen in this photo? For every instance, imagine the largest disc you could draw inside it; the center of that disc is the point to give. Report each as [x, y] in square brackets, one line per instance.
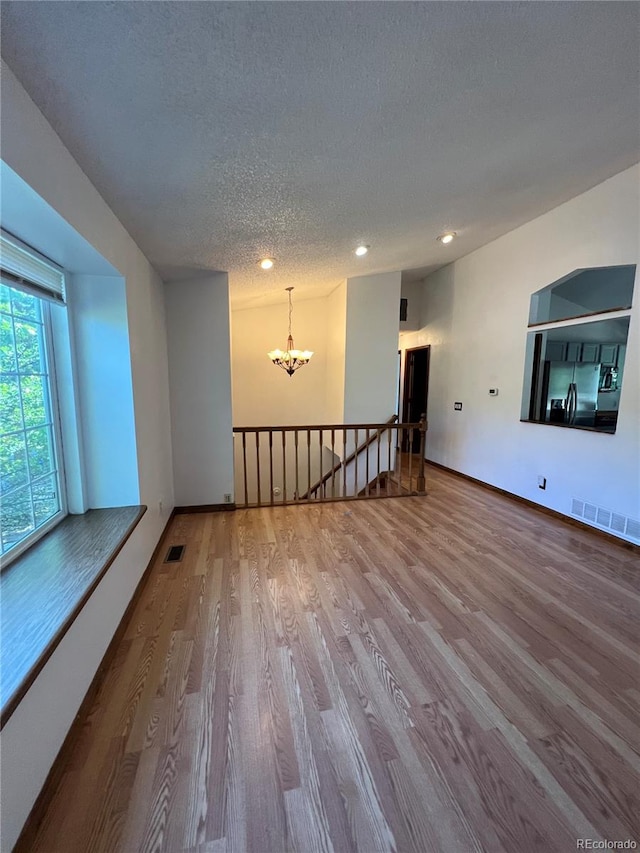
[336, 353]
[200, 386]
[412, 292]
[62, 192]
[371, 369]
[264, 395]
[98, 310]
[352, 376]
[475, 318]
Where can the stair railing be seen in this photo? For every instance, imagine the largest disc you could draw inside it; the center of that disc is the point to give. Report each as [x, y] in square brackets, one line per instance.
[326, 462]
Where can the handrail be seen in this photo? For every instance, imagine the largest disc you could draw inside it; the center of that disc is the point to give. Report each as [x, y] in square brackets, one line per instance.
[265, 465]
[343, 462]
[325, 427]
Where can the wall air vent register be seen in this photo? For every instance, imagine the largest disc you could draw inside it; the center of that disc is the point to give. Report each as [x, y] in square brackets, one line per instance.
[607, 519]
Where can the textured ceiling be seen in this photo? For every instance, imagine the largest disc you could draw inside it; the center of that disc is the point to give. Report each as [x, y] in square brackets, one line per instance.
[223, 132]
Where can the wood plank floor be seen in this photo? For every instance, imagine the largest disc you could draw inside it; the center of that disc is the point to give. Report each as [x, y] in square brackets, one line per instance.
[447, 673]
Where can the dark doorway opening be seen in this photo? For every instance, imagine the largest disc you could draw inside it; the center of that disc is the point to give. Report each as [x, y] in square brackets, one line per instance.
[416, 391]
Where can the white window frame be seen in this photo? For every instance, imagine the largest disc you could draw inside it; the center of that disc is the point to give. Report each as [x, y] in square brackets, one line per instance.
[54, 407]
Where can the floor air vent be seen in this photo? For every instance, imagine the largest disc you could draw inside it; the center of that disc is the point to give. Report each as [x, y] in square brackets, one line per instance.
[175, 554]
[606, 519]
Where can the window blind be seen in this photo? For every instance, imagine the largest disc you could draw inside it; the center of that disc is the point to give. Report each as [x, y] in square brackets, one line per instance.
[27, 270]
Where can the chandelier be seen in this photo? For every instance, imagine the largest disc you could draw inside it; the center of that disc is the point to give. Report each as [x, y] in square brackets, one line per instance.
[292, 359]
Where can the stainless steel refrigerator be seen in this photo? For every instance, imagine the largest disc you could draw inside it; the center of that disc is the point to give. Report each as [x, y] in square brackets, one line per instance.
[571, 392]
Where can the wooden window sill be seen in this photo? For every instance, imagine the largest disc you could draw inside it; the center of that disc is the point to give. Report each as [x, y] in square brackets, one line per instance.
[43, 591]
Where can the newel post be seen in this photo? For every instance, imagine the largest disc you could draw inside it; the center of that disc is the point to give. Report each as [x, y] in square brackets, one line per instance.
[423, 433]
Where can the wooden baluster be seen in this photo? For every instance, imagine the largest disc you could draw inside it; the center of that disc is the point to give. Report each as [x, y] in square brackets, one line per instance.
[410, 460]
[356, 462]
[318, 489]
[244, 468]
[258, 466]
[344, 467]
[333, 467]
[421, 485]
[271, 467]
[366, 488]
[284, 467]
[322, 490]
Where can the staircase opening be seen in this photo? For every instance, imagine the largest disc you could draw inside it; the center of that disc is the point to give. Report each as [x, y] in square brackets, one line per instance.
[322, 462]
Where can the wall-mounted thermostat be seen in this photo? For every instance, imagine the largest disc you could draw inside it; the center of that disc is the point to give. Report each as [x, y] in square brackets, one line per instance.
[457, 407]
[493, 392]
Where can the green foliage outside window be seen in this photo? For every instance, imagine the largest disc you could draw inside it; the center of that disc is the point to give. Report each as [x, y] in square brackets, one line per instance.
[28, 468]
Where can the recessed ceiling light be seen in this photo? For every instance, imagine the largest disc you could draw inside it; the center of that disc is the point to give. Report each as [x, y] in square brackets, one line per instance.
[447, 238]
[362, 250]
[266, 263]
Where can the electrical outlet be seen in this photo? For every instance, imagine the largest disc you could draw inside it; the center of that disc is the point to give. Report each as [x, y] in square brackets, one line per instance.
[228, 499]
[457, 407]
[542, 482]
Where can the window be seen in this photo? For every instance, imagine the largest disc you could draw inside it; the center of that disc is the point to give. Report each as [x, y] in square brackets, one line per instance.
[31, 481]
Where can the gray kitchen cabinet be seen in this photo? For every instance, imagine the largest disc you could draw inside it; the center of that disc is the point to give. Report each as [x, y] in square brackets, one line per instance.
[609, 355]
[574, 351]
[590, 352]
[556, 351]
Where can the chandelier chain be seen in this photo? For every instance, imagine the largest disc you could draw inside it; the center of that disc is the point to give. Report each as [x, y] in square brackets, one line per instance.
[290, 309]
